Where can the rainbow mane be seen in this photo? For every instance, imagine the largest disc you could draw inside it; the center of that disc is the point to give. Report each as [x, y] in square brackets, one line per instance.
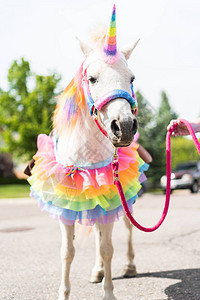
[70, 104]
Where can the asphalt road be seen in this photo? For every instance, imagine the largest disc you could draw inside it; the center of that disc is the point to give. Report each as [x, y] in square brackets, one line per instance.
[168, 260]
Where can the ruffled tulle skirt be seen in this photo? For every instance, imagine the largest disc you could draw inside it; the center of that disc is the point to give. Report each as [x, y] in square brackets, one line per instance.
[89, 195]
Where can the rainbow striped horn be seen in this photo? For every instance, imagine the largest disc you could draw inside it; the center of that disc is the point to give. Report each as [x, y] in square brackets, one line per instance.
[110, 47]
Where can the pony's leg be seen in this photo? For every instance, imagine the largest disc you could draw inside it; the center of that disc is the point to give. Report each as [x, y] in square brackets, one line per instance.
[106, 252]
[67, 255]
[130, 268]
[97, 271]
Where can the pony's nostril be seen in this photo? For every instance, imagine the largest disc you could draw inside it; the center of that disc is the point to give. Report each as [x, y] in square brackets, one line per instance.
[135, 125]
[115, 128]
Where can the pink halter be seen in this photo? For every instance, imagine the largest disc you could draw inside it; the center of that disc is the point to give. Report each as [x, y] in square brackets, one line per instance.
[96, 107]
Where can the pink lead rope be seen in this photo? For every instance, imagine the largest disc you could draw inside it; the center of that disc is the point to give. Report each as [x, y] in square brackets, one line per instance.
[115, 165]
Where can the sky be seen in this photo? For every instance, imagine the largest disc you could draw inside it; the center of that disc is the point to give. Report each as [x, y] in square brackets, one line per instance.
[166, 58]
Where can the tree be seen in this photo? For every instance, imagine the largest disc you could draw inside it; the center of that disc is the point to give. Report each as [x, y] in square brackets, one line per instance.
[145, 120]
[183, 149]
[152, 127]
[26, 112]
[157, 137]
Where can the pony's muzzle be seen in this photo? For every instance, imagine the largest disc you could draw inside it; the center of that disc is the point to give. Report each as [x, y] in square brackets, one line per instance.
[123, 131]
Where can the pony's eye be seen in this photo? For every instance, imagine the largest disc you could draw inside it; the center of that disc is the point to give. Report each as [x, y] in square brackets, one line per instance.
[92, 79]
[132, 78]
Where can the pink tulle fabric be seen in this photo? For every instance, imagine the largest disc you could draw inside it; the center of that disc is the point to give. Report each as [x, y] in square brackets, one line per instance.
[96, 177]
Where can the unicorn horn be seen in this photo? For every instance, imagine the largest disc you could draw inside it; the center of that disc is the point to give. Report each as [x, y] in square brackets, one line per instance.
[110, 47]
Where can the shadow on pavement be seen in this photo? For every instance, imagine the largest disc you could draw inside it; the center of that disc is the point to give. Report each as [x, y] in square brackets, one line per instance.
[187, 289]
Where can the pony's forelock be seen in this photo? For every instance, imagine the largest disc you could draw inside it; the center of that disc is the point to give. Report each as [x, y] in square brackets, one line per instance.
[98, 35]
[99, 38]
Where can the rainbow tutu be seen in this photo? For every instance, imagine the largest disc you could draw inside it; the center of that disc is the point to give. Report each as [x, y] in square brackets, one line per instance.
[89, 195]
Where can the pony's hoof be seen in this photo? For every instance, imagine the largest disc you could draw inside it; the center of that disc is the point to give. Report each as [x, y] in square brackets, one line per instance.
[63, 298]
[130, 271]
[97, 277]
[64, 293]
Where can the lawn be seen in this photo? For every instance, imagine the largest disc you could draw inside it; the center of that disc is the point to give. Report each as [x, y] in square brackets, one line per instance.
[14, 190]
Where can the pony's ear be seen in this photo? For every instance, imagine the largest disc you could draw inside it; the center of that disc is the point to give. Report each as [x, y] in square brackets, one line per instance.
[84, 47]
[127, 51]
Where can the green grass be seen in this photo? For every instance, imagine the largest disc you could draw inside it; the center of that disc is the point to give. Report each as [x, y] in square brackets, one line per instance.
[14, 190]
[155, 191]
[21, 190]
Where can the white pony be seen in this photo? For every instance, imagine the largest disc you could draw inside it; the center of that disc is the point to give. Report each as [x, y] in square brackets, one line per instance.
[72, 177]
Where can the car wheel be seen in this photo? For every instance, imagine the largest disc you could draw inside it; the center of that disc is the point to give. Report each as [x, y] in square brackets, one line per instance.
[195, 187]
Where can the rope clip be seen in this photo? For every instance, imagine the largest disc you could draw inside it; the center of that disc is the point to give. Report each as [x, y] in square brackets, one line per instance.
[115, 157]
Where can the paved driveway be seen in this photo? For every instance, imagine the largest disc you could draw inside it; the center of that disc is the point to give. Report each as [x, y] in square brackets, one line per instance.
[168, 260]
